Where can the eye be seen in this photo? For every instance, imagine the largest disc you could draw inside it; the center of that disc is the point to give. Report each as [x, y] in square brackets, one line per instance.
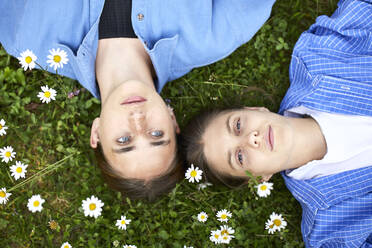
[237, 126]
[124, 139]
[157, 133]
[239, 156]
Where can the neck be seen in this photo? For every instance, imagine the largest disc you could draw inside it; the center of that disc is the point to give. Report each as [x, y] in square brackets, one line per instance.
[308, 143]
[119, 60]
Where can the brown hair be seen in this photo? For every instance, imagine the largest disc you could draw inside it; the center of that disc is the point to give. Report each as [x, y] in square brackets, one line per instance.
[194, 148]
[138, 188]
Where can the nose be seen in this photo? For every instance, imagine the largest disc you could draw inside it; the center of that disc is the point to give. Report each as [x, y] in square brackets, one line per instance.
[252, 139]
[137, 121]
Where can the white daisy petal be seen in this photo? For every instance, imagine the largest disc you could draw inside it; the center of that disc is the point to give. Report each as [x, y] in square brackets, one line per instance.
[57, 58]
[27, 60]
[92, 206]
[129, 246]
[215, 236]
[122, 223]
[264, 189]
[193, 174]
[226, 230]
[7, 154]
[202, 217]
[47, 94]
[4, 196]
[66, 245]
[35, 203]
[2, 127]
[18, 170]
[223, 215]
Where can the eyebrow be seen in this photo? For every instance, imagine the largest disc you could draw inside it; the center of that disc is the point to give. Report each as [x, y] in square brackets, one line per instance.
[131, 148]
[229, 159]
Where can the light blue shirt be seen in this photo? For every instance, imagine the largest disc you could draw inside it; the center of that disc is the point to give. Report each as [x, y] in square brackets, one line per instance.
[331, 71]
[179, 35]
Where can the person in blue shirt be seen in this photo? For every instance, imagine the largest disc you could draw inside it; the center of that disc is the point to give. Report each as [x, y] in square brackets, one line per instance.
[124, 52]
[321, 139]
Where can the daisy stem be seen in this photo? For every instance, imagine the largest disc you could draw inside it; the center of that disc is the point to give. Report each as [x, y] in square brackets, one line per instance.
[41, 173]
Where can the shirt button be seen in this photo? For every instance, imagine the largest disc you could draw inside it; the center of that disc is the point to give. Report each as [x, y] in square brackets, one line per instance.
[140, 17]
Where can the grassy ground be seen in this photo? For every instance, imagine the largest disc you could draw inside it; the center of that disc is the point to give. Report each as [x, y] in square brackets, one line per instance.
[42, 134]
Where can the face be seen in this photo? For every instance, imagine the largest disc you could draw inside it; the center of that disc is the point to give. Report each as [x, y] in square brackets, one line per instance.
[136, 131]
[249, 139]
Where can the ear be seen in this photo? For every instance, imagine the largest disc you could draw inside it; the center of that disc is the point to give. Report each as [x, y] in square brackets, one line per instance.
[94, 137]
[262, 109]
[174, 120]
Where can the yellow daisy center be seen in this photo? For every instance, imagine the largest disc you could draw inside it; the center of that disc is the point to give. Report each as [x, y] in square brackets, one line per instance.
[57, 58]
[193, 173]
[271, 226]
[7, 154]
[277, 222]
[36, 203]
[224, 237]
[263, 187]
[66, 246]
[202, 217]
[123, 222]
[19, 169]
[223, 216]
[92, 206]
[1, 127]
[223, 232]
[216, 236]
[2, 194]
[47, 94]
[28, 59]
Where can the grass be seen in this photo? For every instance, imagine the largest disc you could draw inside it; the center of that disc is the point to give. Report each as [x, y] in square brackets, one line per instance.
[42, 134]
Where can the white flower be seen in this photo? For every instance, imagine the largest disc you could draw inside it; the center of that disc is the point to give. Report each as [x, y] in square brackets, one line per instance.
[187, 246]
[223, 215]
[115, 243]
[7, 154]
[57, 58]
[34, 203]
[225, 239]
[203, 185]
[202, 217]
[193, 174]
[27, 60]
[226, 230]
[216, 236]
[66, 245]
[92, 206]
[4, 196]
[275, 223]
[18, 170]
[2, 127]
[264, 189]
[47, 94]
[129, 246]
[122, 223]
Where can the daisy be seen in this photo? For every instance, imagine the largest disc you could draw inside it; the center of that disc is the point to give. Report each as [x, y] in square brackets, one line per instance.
[129, 246]
[225, 239]
[27, 60]
[34, 203]
[223, 215]
[278, 221]
[4, 196]
[18, 170]
[203, 185]
[57, 58]
[215, 236]
[193, 174]
[47, 94]
[2, 127]
[122, 223]
[187, 246]
[7, 154]
[202, 217]
[226, 230]
[92, 206]
[264, 189]
[53, 224]
[115, 243]
[66, 245]
[270, 226]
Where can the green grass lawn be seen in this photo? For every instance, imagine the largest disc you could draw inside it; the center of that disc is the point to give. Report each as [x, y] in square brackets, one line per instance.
[42, 134]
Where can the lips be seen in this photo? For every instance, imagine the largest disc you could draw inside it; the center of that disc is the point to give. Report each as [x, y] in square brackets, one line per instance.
[133, 100]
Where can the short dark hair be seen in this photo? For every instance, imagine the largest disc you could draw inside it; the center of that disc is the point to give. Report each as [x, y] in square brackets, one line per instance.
[194, 148]
[139, 188]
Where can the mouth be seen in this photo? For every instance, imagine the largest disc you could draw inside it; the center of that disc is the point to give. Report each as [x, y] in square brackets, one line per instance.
[133, 100]
[271, 138]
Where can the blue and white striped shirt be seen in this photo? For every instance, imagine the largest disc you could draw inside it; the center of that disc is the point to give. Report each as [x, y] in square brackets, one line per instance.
[331, 71]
